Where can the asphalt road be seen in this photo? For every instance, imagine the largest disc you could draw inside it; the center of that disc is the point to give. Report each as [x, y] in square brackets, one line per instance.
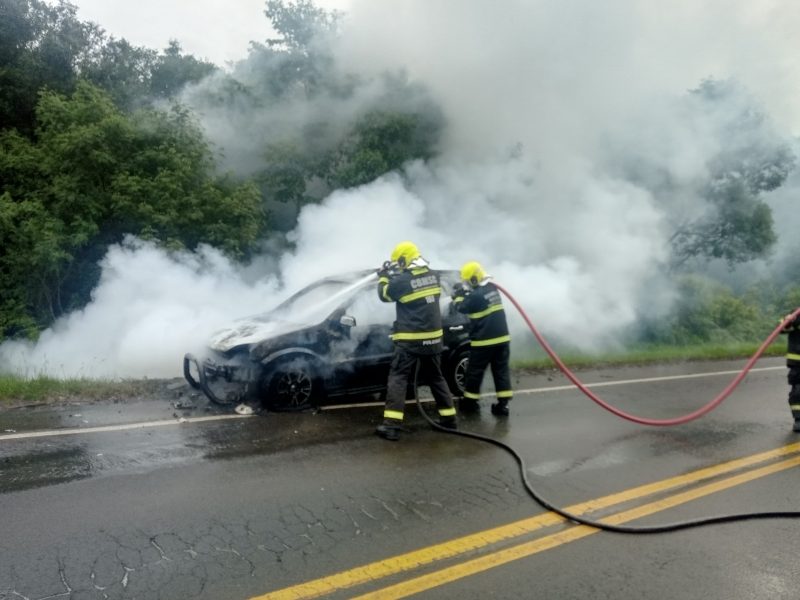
[146, 500]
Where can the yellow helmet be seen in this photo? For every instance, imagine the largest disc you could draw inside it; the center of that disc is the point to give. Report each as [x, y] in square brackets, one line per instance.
[473, 273]
[404, 253]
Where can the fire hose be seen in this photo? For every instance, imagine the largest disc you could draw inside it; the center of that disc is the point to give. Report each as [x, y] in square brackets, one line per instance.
[643, 420]
[580, 520]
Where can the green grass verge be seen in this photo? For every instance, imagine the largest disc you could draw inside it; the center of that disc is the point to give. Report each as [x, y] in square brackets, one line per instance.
[654, 354]
[15, 391]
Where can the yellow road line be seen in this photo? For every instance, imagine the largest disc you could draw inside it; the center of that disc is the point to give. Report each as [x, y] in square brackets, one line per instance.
[477, 565]
[417, 558]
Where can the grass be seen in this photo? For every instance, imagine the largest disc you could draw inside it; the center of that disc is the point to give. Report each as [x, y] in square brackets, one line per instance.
[16, 391]
[654, 354]
[20, 391]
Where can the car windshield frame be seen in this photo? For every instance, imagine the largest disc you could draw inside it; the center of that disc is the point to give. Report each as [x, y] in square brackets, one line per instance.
[347, 286]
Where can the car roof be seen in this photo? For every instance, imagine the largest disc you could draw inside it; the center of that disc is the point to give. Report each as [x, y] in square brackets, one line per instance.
[352, 276]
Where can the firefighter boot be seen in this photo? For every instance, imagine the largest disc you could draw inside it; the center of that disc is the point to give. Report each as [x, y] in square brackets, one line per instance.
[796, 425]
[468, 405]
[448, 423]
[500, 408]
[388, 431]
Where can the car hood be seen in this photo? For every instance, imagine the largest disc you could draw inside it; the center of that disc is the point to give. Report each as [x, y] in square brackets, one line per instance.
[250, 331]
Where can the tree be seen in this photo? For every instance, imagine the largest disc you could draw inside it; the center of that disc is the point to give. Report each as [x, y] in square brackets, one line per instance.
[738, 225]
[94, 174]
[706, 311]
[122, 70]
[16, 29]
[172, 70]
[30, 253]
[306, 168]
[308, 120]
[381, 141]
[40, 45]
[299, 23]
[299, 61]
[47, 46]
[739, 229]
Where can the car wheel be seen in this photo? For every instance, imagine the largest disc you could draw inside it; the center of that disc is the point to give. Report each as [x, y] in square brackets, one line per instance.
[292, 385]
[457, 371]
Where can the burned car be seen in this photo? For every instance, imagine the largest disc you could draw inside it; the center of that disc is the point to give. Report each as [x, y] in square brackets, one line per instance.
[328, 340]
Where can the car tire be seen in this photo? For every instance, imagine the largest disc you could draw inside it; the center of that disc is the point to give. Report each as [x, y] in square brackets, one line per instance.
[292, 385]
[456, 370]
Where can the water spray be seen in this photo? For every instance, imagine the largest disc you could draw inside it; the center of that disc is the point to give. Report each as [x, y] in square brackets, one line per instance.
[580, 520]
[348, 290]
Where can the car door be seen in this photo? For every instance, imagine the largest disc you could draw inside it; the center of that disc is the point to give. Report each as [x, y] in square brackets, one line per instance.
[363, 360]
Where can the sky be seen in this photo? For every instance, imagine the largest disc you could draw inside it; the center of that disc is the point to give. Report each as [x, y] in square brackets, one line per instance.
[215, 30]
[550, 107]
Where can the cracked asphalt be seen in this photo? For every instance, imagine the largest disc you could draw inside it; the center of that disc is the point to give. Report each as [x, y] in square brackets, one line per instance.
[236, 508]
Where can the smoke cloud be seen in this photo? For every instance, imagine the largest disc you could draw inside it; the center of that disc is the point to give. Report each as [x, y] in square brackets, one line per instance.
[572, 149]
[148, 310]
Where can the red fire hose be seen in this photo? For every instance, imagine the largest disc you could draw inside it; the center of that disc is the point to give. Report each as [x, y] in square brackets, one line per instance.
[643, 420]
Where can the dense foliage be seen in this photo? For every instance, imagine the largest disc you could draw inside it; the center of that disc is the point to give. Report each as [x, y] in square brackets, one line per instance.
[45, 46]
[92, 174]
[706, 311]
[303, 126]
[752, 160]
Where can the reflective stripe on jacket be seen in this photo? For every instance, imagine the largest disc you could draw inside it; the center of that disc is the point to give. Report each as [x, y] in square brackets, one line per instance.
[416, 293]
[484, 307]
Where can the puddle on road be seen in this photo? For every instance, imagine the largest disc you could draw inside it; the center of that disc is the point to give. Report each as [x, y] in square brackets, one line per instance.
[650, 444]
[44, 418]
[714, 436]
[45, 467]
[36, 462]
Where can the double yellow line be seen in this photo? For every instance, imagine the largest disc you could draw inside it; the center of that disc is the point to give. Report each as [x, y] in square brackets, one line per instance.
[411, 560]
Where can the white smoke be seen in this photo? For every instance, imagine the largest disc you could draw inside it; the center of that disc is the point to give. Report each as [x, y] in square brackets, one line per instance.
[148, 310]
[557, 76]
[546, 106]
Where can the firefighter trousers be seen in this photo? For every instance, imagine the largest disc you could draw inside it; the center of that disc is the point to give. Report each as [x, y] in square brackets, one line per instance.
[403, 373]
[793, 376]
[498, 358]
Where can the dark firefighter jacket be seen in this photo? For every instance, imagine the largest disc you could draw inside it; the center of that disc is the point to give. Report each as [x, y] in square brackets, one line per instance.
[484, 307]
[418, 324]
[793, 346]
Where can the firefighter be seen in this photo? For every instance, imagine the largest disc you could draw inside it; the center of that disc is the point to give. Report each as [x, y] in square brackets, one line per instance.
[490, 341]
[407, 281]
[792, 328]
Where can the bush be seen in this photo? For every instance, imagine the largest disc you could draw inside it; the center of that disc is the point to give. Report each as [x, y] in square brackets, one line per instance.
[709, 312]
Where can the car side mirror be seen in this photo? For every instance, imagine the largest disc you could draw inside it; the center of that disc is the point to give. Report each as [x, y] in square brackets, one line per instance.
[347, 321]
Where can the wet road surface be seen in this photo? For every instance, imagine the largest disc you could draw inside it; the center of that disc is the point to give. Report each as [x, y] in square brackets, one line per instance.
[126, 501]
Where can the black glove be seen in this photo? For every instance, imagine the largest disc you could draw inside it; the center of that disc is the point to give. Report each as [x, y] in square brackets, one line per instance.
[459, 289]
[385, 269]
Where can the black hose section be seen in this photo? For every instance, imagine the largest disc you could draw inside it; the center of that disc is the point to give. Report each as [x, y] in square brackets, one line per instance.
[675, 526]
